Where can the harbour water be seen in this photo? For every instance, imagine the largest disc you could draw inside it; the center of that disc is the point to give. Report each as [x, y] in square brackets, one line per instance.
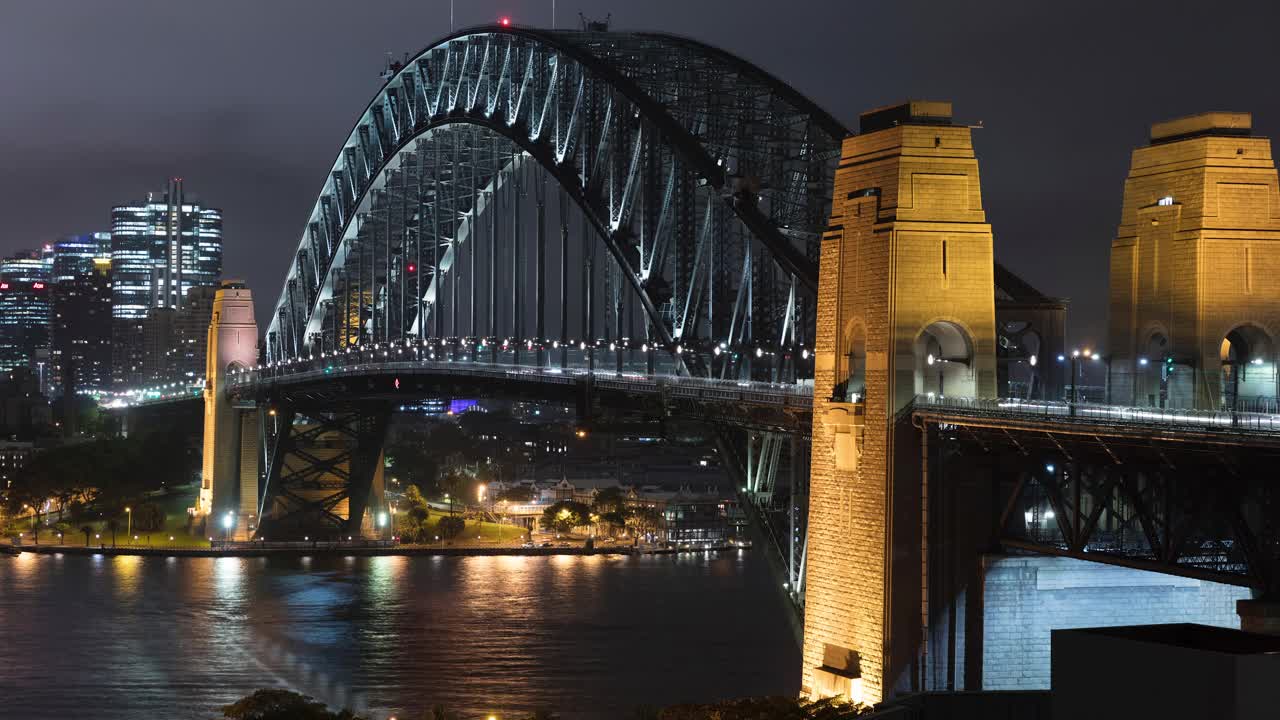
[116, 638]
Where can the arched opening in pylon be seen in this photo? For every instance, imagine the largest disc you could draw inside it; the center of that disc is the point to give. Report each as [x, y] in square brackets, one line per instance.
[944, 361]
[1152, 371]
[1248, 379]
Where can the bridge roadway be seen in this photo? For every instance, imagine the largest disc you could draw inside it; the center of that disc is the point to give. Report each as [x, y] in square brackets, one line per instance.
[770, 405]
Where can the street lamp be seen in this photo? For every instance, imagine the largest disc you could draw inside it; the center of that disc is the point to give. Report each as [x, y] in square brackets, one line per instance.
[227, 521]
[129, 512]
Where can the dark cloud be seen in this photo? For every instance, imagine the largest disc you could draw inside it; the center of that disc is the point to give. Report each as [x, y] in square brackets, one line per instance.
[249, 100]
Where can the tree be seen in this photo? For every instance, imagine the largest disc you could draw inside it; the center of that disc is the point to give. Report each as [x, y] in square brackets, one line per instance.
[450, 526]
[279, 704]
[148, 517]
[611, 499]
[613, 520]
[416, 513]
[646, 520]
[86, 530]
[565, 515]
[113, 525]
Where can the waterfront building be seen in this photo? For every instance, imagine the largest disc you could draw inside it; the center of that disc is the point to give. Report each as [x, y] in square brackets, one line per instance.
[702, 517]
[160, 250]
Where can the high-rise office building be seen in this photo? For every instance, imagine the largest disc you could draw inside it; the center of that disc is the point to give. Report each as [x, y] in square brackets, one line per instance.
[25, 311]
[82, 328]
[77, 255]
[174, 339]
[160, 249]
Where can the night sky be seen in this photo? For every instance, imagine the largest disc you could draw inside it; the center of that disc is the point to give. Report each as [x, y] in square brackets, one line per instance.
[250, 100]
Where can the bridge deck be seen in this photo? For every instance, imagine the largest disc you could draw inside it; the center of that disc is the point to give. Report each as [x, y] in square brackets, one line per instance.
[1207, 426]
[1202, 426]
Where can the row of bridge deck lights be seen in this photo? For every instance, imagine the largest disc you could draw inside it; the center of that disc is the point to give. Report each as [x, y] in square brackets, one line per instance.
[529, 343]
[176, 389]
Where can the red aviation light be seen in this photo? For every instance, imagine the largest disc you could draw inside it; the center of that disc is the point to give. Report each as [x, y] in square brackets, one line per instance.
[412, 268]
[504, 21]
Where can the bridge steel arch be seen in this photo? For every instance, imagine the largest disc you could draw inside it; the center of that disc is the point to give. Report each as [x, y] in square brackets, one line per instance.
[707, 180]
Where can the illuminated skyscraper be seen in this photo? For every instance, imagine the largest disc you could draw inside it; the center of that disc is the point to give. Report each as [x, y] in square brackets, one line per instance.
[77, 255]
[82, 327]
[160, 249]
[25, 310]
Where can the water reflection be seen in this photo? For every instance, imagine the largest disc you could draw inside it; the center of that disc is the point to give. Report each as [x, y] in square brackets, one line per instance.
[591, 636]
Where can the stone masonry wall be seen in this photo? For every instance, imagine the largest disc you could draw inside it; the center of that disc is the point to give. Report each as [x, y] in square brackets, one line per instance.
[1026, 597]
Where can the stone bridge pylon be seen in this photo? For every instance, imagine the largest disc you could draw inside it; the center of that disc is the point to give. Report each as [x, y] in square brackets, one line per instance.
[905, 307]
[228, 498]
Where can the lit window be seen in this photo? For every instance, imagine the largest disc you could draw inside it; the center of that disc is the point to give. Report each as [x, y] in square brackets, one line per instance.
[1166, 200]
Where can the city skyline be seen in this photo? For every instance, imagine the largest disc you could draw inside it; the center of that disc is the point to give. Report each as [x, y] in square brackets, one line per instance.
[1078, 120]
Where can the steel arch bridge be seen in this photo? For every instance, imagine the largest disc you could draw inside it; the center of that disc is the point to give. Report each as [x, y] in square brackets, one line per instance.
[703, 182]
[706, 180]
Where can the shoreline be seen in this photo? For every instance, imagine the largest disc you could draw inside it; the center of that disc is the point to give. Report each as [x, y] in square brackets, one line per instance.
[357, 551]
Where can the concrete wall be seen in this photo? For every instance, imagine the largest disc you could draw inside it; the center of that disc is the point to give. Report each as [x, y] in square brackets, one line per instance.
[1026, 597]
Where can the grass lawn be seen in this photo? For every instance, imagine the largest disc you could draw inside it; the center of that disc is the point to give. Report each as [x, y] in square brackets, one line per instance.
[480, 531]
[174, 504]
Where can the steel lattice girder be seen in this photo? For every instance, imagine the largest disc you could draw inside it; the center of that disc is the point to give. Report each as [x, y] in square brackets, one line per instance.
[1199, 510]
[683, 158]
[317, 461]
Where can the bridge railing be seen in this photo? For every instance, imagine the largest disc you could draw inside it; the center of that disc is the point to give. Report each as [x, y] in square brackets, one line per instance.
[1060, 411]
[629, 379]
[177, 391]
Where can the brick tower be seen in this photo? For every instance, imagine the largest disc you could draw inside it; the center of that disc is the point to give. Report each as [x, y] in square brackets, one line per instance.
[1195, 269]
[905, 307]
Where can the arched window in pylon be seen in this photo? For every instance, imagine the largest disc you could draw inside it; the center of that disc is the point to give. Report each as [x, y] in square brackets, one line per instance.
[851, 370]
[1248, 378]
[943, 354]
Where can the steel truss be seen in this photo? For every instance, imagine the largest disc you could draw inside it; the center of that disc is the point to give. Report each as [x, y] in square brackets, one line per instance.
[779, 510]
[321, 470]
[1194, 509]
[706, 180]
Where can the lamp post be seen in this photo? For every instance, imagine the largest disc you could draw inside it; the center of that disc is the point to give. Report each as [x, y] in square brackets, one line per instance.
[227, 521]
[128, 511]
[931, 361]
[1076, 355]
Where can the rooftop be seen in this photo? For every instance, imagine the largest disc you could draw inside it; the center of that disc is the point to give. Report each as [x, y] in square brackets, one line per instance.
[1201, 124]
[911, 112]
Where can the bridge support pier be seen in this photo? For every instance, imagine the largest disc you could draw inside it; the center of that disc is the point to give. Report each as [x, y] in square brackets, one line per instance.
[229, 472]
[905, 307]
[325, 478]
